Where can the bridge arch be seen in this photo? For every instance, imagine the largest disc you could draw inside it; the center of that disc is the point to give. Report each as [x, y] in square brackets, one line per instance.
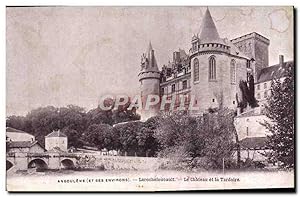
[9, 164]
[38, 164]
[67, 164]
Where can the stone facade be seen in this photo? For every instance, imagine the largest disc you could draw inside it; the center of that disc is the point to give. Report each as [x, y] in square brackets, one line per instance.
[249, 124]
[149, 78]
[217, 82]
[256, 47]
[25, 147]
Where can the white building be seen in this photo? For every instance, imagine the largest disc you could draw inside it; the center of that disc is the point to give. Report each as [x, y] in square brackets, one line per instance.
[249, 124]
[18, 135]
[56, 139]
[264, 82]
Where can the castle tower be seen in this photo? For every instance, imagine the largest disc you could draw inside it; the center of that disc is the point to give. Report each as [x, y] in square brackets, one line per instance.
[149, 78]
[216, 69]
[256, 47]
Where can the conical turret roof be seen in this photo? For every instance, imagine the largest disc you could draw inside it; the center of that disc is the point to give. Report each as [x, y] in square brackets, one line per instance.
[209, 31]
[151, 64]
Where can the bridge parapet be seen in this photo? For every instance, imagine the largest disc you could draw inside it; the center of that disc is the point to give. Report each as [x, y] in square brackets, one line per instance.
[22, 161]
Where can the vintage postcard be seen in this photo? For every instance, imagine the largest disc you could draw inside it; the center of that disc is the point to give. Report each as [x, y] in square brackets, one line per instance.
[150, 98]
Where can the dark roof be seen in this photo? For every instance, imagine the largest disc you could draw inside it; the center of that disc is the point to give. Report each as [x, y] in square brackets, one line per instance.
[253, 143]
[268, 73]
[57, 133]
[209, 31]
[21, 144]
[9, 129]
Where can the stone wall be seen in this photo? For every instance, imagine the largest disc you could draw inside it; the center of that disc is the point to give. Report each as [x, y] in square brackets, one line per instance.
[93, 161]
[210, 94]
[52, 142]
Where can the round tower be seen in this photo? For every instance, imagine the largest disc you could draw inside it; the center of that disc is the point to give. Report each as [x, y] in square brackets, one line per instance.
[217, 67]
[149, 78]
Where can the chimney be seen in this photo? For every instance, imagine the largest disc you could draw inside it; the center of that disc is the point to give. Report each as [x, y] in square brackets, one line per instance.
[176, 56]
[281, 60]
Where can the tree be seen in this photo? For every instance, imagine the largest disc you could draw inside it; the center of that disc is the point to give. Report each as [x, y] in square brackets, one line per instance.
[210, 137]
[219, 137]
[43, 121]
[72, 122]
[99, 116]
[128, 137]
[280, 111]
[100, 135]
[17, 122]
[248, 93]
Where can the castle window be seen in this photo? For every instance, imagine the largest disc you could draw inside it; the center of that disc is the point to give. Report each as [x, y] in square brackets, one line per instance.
[247, 131]
[258, 87]
[212, 68]
[248, 64]
[232, 72]
[258, 96]
[265, 94]
[173, 88]
[265, 85]
[213, 100]
[233, 102]
[196, 69]
[162, 90]
[184, 84]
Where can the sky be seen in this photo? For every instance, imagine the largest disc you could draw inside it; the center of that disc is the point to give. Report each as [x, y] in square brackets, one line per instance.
[74, 55]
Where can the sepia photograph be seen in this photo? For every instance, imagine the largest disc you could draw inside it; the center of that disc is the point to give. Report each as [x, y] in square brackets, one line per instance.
[150, 98]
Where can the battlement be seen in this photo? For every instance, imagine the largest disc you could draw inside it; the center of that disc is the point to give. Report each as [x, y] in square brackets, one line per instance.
[210, 47]
[149, 75]
[251, 36]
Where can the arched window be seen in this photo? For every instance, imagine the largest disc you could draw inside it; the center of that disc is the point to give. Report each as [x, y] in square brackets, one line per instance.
[212, 68]
[232, 72]
[196, 69]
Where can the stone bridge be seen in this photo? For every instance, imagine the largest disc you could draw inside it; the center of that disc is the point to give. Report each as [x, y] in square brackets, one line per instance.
[57, 161]
[25, 161]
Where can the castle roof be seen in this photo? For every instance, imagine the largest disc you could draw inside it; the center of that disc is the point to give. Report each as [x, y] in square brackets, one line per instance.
[209, 31]
[253, 143]
[57, 133]
[151, 64]
[277, 70]
[234, 50]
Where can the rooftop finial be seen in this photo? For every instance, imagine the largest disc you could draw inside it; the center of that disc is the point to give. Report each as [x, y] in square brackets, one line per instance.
[150, 46]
